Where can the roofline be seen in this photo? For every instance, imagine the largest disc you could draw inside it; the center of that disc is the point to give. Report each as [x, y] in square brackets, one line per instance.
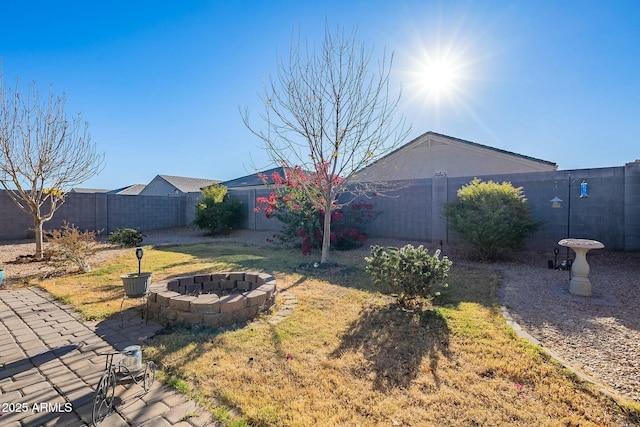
[252, 175]
[499, 150]
[167, 179]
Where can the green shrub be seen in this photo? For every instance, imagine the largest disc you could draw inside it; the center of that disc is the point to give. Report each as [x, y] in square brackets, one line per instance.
[71, 245]
[410, 272]
[217, 212]
[491, 217]
[126, 237]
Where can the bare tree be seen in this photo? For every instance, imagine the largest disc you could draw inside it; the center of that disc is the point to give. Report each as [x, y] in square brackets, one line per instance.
[328, 113]
[42, 154]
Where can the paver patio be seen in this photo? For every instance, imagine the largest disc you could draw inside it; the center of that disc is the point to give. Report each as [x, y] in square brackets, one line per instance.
[50, 363]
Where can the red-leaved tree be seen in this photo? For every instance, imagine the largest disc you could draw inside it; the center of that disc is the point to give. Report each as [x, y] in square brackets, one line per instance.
[328, 113]
[302, 218]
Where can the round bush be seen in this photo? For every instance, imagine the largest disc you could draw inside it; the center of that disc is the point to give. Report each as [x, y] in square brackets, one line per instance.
[491, 217]
[126, 237]
[409, 271]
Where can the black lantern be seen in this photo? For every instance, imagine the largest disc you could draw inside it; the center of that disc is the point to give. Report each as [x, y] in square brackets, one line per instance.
[139, 253]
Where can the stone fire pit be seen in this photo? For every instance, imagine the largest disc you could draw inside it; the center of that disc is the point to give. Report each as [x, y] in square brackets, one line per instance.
[216, 299]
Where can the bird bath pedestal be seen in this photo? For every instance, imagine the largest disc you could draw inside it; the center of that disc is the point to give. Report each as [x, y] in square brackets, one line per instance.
[580, 283]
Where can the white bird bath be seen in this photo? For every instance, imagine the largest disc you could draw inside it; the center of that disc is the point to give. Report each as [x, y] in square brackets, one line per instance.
[580, 283]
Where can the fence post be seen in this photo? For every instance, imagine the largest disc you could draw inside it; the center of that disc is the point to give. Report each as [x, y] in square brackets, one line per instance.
[632, 206]
[251, 210]
[439, 186]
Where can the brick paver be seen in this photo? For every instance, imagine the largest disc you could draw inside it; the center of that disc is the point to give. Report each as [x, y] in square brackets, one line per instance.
[50, 363]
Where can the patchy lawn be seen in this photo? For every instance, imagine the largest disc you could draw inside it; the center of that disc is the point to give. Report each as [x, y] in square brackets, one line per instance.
[347, 355]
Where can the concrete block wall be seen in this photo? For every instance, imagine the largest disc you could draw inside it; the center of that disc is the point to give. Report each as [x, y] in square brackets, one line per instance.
[102, 212]
[405, 211]
[256, 220]
[144, 212]
[14, 223]
[248, 200]
[189, 204]
[611, 213]
[599, 217]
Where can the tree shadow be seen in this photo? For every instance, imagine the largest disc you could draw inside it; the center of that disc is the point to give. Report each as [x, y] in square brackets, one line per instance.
[27, 363]
[395, 343]
[249, 257]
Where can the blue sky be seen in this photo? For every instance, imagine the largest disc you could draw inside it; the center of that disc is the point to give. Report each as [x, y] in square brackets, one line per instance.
[161, 83]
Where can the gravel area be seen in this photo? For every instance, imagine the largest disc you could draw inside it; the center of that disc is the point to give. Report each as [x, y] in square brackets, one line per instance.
[599, 336]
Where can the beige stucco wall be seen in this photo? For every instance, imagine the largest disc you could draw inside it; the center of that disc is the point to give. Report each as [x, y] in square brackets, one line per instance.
[431, 153]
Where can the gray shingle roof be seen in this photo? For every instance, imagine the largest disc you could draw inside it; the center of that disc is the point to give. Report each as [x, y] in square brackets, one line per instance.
[253, 179]
[130, 190]
[188, 185]
[88, 190]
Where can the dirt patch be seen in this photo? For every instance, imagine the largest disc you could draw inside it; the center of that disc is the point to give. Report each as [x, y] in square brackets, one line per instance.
[16, 256]
[316, 269]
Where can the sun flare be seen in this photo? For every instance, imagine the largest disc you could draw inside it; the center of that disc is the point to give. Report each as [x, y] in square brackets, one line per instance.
[439, 77]
[442, 71]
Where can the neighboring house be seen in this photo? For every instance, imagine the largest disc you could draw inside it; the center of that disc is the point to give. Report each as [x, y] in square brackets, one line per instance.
[88, 190]
[433, 153]
[163, 185]
[253, 181]
[131, 190]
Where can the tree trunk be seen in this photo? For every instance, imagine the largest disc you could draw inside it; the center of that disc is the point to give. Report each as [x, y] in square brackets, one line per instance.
[37, 225]
[326, 232]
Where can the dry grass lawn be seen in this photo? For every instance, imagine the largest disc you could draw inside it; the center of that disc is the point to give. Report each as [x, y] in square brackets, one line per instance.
[348, 356]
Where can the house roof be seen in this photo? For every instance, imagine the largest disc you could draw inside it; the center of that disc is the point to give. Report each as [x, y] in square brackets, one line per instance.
[130, 190]
[254, 179]
[88, 190]
[547, 162]
[475, 144]
[188, 185]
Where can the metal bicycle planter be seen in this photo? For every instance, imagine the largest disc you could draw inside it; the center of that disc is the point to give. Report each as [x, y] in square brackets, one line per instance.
[130, 367]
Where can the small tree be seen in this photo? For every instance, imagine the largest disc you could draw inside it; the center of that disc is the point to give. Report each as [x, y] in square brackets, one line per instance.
[328, 113]
[491, 217]
[42, 154]
[302, 219]
[217, 212]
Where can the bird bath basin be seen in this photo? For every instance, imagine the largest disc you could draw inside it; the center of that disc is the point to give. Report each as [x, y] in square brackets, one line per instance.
[580, 283]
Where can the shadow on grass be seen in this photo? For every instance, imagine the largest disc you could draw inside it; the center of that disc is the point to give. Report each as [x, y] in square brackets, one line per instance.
[231, 253]
[273, 260]
[395, 342]
[470, 284]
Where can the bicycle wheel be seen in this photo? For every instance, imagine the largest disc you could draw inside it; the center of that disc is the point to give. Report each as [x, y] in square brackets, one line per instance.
[103, 400]
[149, 375]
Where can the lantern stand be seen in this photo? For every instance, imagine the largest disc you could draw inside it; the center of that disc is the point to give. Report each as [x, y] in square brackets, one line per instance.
[556, 202]
[136, 285]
